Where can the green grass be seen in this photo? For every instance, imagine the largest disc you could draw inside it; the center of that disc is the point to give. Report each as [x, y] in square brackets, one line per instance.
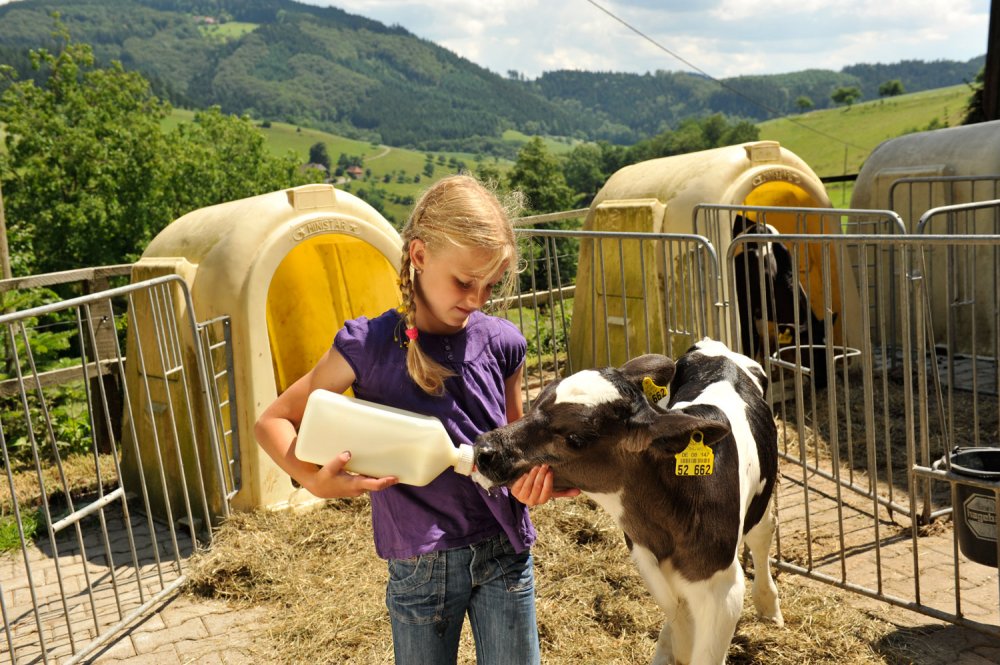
[283, 138]
[9, 537]
[555, 145]
[227, 31]
[844, 137]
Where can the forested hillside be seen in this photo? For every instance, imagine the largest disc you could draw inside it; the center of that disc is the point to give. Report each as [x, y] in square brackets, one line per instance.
[644, 104]
[324, 68]
[294, 62]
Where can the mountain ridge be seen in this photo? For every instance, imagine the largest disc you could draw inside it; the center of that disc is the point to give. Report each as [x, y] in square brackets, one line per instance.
[326, 68]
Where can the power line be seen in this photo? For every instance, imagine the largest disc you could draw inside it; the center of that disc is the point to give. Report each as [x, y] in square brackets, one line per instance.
[773, 112]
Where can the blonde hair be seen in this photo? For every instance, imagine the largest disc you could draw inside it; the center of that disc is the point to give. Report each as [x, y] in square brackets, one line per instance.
[462, 212]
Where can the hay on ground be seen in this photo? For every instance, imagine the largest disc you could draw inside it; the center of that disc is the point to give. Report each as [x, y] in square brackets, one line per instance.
[318, 574]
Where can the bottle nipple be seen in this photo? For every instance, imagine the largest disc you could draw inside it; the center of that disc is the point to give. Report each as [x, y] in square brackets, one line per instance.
[466, 459]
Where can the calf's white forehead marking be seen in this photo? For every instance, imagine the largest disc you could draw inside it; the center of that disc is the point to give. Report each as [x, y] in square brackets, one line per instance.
[586, 387]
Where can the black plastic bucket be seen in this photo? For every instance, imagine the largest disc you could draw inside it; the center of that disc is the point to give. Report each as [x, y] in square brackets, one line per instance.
[975, 513]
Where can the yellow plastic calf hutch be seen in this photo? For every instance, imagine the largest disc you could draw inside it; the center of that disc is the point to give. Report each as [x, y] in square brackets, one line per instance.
[660, 196]
[288, 268]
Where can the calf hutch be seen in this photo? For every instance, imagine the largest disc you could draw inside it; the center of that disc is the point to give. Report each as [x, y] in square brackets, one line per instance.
[945, 182]
[283, 270]
[914, 173]
[676, 195]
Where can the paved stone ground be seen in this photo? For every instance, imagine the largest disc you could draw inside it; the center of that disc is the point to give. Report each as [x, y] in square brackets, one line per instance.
[925, 571]
[79, 596]
[187, 629]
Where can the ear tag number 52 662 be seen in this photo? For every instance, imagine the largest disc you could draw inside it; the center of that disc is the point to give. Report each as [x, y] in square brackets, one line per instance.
[697, 459]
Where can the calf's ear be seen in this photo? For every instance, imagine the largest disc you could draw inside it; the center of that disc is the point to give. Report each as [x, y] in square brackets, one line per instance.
[657, 367]
[671, 431]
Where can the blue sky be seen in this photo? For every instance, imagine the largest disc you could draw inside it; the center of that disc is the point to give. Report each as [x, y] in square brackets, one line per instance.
[721, 37]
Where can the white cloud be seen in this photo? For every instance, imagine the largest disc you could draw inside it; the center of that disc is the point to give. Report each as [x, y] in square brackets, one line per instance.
[721, 37]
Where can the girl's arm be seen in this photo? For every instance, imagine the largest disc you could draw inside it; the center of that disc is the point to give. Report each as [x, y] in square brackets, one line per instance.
[535, 487]
[512, 394]
[277, 428]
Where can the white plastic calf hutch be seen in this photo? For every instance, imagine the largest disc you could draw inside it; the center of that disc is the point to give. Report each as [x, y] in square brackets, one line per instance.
[913, 173]
[661, 196]
[949, 171]
[288, 268]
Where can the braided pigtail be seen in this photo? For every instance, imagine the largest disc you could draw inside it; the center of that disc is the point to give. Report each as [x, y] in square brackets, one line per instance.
[424, 371]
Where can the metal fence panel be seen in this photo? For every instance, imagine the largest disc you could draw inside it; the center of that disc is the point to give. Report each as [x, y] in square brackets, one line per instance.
[861, 504]
[90, 556]
[629, 294]
[912, 196]
[716, 222]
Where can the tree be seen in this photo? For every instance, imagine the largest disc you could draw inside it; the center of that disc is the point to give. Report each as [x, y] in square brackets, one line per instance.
[538, 176]
[891, 88]
[846, 95]
[974, 110]
[803, 103]
[221, 157]
[319, 155]
[582, 170]
[89, 176]
[693, 135]
[80, 178]
[489, 174]
[743, 131]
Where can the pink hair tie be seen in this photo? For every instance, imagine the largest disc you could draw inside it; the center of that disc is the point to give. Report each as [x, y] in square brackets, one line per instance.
[411, 333]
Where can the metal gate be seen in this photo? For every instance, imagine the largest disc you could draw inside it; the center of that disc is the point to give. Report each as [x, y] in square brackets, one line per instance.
[90, 556]
[866, 485]
[629, 294]
[913, 196]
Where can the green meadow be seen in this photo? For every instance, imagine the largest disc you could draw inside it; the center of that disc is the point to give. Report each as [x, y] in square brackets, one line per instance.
[837, 141]
[558, 145]
[227, 31]
[398, 172]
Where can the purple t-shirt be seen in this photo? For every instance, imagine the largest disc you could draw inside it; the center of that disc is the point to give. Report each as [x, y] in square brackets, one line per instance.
[451, 511]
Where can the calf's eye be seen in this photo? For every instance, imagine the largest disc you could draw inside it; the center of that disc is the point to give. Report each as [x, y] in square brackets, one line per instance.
[575, 441]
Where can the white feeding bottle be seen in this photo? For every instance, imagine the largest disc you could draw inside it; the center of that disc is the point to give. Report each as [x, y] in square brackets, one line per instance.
[383, 441]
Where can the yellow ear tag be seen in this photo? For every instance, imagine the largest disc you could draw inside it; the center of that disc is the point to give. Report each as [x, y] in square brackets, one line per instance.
[654, 393]
[697, 459]
[785, 337]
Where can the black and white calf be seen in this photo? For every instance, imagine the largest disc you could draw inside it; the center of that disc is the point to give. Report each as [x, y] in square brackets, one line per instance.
[772, 312]
[599, 432]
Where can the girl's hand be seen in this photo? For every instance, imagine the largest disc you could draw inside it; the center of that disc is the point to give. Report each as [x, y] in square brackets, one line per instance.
[535, 487]
[332, 482]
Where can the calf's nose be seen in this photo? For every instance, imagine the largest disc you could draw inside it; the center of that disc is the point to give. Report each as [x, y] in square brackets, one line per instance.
[484, 456]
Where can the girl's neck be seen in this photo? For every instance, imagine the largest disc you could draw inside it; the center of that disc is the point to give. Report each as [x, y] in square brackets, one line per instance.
[428, 323]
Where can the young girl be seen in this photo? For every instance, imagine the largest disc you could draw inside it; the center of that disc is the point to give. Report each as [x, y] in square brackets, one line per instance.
[452, 548]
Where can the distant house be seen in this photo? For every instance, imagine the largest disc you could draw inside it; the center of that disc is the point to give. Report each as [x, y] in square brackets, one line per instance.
[316, 166]
[355, 171]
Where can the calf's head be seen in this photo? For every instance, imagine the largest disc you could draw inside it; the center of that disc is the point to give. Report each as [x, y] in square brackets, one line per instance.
[590, 428]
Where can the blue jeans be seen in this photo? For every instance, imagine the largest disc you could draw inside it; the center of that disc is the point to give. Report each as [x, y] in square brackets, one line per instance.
[428, 597]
